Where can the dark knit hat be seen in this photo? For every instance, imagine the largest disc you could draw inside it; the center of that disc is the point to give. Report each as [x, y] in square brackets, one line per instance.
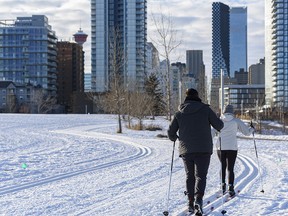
[229, 109]
[192, 92]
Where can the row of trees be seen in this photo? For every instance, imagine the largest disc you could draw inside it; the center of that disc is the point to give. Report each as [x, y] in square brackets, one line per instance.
[131, 104]
[38, 102]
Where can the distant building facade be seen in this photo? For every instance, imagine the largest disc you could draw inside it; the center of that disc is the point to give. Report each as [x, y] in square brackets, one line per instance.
[87, 82]
[178, 69]
[70, 72]
[12, 95]
[238, 40]
[24, 98]
[257, 73]
[118, 26]
[196, 69]
[241, 77]
[28, 52]
[276, 53]
[220, 39]
[152, 60]
[245, 97]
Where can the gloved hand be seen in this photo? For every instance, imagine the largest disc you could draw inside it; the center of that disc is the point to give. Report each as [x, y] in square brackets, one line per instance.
[174, 138]
[251, 125]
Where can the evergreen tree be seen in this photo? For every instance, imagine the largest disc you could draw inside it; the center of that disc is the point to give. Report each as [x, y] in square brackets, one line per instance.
[154, 91]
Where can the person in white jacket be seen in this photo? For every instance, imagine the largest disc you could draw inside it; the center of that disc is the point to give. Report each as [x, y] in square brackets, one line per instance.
[227, 145]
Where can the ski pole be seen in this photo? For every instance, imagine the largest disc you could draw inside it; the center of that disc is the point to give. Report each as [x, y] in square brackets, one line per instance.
[166, 213]
[257, 160]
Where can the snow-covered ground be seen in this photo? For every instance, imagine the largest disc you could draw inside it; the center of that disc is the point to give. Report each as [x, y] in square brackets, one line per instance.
[77, 165]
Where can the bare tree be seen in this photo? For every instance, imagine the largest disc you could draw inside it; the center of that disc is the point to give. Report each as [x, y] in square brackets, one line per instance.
[142, 104]
[42, 101]
[168, 41]
[98, 100]
[117, 63]
[11, 103]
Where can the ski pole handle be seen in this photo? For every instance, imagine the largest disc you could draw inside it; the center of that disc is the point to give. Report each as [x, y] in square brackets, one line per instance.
[251, 125]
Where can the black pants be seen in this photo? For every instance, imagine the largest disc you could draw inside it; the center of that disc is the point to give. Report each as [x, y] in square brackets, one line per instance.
[227, 158]
[196, 167]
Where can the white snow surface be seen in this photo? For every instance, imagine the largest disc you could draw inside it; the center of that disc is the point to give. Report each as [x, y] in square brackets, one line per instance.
[79, 165]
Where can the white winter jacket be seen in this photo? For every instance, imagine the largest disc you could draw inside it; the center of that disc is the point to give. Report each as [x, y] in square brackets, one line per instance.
[228, 134]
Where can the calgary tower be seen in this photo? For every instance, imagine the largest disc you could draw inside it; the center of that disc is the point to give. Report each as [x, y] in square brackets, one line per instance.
[80, 37]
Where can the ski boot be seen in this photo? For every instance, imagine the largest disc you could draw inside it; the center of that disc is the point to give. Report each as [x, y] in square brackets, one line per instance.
[190, 204]
[224, 188]
[198, 207]
[231, 190]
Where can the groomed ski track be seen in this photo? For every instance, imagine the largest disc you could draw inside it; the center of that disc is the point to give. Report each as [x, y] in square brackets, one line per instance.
[81, 166]
[140, 151]
[244, 181]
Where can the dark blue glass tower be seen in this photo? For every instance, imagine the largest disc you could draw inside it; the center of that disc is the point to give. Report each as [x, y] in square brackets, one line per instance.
[220, 39]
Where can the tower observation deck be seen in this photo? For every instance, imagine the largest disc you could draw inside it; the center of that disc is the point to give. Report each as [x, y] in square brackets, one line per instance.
[80, 37]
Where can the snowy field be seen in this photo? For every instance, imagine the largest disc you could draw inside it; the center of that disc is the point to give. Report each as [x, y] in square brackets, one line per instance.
[77, 165]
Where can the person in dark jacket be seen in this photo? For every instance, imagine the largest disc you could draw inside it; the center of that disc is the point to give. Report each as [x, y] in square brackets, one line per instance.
[193, 122]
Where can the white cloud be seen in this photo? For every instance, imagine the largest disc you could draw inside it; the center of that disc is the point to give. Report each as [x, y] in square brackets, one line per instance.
[65, 17]
[192, 19]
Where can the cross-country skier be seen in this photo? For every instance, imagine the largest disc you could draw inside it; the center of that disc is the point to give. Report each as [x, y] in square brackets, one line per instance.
[193, 121]
[227, 145]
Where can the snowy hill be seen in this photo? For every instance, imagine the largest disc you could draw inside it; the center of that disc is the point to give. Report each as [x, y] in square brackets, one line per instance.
[78, 165]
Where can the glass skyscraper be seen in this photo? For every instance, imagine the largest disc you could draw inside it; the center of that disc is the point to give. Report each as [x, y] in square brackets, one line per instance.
[229, 39]
[238, 39]
[28, 52]
[220, 39]
[276, 53]
[127, 19]
[229, 45]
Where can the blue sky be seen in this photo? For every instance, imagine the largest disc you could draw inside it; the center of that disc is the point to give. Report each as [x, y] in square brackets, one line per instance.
[192, 19]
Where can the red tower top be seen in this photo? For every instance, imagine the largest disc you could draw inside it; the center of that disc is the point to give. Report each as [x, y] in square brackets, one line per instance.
[80, 37]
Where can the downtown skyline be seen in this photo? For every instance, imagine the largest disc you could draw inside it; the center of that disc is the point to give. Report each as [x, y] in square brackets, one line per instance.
[192, 20]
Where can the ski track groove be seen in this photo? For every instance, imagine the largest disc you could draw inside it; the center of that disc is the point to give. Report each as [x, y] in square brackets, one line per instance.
[244, 180]
[142, 151]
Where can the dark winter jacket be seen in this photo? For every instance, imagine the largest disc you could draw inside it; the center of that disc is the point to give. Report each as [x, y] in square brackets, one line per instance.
[194, 120]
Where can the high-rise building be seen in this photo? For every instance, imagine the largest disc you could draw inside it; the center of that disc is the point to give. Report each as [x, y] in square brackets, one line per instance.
[118, 27]
[194, 62]
[28, 52]
[220, 39]
[178, 69]
[229, 39]
[229, 46]
[257, 73]
[196, 70]
[241, 77]
[153, 61]
[276, 53]
[238, 39]
[70, 72]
